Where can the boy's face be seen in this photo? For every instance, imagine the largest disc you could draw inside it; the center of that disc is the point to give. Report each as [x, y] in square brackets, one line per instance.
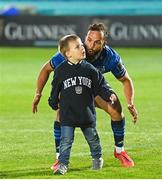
[76, 50]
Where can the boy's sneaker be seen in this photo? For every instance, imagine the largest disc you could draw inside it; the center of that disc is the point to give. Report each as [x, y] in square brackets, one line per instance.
[55, 164]
[60, 169]
[124, 158]
[97, 164]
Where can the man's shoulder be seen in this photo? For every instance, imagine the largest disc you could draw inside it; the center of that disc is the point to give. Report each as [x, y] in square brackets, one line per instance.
[110, 51]
[57, 59]
[110, 55]
[57, 55]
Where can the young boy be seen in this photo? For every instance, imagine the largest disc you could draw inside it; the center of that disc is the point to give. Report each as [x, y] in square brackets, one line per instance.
[75, 85]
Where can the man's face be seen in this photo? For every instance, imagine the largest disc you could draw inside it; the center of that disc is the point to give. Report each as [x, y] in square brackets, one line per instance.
[94, 42]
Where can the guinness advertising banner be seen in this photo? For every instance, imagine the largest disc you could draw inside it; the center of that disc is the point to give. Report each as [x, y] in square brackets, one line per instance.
[126, 31]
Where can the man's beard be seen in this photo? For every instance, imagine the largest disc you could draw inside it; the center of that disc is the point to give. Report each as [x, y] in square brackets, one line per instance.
[92, 57]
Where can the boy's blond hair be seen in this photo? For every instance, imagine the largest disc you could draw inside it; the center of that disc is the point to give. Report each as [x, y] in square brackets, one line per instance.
[64, 43]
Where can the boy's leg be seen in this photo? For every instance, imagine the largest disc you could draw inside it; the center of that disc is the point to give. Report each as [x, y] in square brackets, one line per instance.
[67, 138]
[93, 140]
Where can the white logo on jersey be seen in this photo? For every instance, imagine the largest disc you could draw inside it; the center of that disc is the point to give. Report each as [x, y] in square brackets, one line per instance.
[78, 89]
[69, 82]
[84, 81]
[74, 81]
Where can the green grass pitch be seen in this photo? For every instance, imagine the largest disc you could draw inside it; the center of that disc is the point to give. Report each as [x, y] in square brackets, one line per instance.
[26, 140]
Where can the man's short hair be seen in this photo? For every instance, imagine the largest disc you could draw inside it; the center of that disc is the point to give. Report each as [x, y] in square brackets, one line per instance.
[64, 43]
[99, 27]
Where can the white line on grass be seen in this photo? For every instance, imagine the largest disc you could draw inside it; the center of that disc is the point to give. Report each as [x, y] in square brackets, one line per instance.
[77, 131]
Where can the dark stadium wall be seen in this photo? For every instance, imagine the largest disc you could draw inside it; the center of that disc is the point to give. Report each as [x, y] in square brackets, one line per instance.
[124, 31]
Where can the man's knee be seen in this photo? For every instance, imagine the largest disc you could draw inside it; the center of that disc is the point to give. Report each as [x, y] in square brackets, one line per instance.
[114, 110]
[117, 106]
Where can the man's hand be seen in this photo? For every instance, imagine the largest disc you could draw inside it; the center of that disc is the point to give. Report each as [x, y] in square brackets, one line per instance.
[35, 102]
[133, 112]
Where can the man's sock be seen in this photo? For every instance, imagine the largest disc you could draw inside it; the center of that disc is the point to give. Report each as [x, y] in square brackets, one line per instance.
[118, 130]
[57, 135]
[119, 149]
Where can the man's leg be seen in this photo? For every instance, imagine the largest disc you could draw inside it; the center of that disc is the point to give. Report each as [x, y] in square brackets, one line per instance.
[57, 136]
[117, 124]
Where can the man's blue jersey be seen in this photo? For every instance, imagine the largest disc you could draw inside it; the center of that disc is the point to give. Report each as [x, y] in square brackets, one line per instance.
[108, 61]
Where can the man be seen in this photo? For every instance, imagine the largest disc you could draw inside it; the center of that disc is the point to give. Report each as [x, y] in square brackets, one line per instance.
[105, 59]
